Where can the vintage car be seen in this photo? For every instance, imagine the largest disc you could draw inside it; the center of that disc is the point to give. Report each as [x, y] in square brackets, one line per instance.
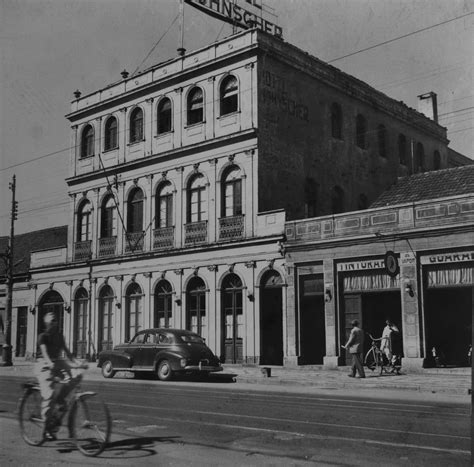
[165, 352]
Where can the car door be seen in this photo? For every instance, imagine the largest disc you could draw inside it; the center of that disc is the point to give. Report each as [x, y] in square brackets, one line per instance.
[149, 349]
[135, 349]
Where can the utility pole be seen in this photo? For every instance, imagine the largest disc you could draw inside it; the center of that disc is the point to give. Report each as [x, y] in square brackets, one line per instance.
[7, 347]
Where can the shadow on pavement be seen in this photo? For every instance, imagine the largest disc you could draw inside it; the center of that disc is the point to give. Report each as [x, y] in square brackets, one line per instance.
[212, 378]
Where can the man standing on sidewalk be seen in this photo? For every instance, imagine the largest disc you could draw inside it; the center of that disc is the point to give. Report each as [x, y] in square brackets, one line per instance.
[356, 347]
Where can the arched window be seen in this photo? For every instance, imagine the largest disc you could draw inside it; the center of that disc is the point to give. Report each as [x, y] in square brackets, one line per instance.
[136, 125]
[337, 200]
[135, 211]
[232, 193]
[436, 160]
[311, 197]
[232, 318]
[108, 221]
[133, 310]
[106, 318]
[382, 140]
[163, 301]
[361, 131]
[402, 149]
[81, 302]
[87, 141]
[419, 158]
[164, 206]
[84, 222]
[336, 121]
[195, 106]
[164, 116]
[197, 199]
[196, 306]
[229, 95]
[110, 134]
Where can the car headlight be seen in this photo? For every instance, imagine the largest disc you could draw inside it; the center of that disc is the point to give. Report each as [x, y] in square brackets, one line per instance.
[183, 362]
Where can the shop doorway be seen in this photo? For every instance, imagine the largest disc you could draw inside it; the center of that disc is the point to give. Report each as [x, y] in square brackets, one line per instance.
[21, 330]
[271, 319]
[54, 303]
[312, 321]
[81, 304]
[448, 324]
[232, 319]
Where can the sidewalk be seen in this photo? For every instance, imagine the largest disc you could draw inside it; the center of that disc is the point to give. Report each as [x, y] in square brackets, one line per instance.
[446, 381]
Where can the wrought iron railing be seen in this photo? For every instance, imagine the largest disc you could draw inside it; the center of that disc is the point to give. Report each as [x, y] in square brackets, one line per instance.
[82, 250]
[195, 233]
[107, 246]
[231, 228]
[134, 241]
[163, 238]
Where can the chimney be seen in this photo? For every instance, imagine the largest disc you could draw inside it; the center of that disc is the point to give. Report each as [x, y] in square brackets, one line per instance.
[428, 105]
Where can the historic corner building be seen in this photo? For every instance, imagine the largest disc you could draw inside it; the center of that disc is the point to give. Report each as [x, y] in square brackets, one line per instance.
[339, 272]
[182, 178]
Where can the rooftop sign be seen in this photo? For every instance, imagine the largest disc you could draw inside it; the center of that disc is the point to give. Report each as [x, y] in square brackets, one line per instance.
[230, 12]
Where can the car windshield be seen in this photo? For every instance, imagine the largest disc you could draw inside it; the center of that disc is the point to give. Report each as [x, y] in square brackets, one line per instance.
[194, 338]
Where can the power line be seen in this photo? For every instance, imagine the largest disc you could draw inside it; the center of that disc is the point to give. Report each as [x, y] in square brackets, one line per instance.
[455, 111]
[400, 37]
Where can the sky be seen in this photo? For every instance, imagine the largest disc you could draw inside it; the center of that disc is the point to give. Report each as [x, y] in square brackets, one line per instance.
[50, 48]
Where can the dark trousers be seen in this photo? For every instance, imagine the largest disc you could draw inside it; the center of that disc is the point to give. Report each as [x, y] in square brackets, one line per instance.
[357, 365]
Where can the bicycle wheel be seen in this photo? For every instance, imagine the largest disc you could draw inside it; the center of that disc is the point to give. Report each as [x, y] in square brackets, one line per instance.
[370, 360]
[91, 425]
[31, 421]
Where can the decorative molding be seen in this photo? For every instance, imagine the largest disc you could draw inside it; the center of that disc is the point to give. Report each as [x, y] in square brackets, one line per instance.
[94, 280]
[213, 267]
[213, 161]
[84, 193]
[164, 174]
[270, 262]
[251, 264]
[231, 157]
[231, 267]
[149, 100]
[135, 181]
[147, 274]
[32, 285]
[81, 283]
[123, 109]
[134, 277]
[51, 285]
[195, 271]
[106, 280]
[196, 167]
[179, 272]
[180, 169]
[69, 283]
[119, 278]
[178, 90]
[163, 274]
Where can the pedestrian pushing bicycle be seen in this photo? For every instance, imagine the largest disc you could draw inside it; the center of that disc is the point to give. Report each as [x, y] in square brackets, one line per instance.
[44, 404]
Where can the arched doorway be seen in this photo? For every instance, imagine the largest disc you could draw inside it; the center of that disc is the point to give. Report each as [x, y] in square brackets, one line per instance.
[163, 296]
[232, 319]
[196, 306]
[271, 319]
[133, 310]
[54, 303]
[106, 315]
[81, 304]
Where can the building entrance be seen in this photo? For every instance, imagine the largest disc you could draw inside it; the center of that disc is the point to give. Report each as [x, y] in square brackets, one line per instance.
[51, 302]
[21, 331]
[232, 319]
[271, 319]
[448, 318]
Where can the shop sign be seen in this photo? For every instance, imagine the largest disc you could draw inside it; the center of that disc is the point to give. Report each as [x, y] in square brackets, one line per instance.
[391, 263]
[361, 265]
[448, 258]
[407, 258]
[230, 12]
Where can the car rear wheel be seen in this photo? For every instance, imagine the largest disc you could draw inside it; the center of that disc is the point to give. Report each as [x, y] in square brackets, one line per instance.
[108, 369]
[164, 371]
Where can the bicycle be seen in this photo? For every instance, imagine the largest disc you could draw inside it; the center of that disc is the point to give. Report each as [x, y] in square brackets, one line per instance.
[374, 358]
[88, 419]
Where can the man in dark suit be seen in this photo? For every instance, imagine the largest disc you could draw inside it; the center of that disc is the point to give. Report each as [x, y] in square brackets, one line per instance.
[355, 344]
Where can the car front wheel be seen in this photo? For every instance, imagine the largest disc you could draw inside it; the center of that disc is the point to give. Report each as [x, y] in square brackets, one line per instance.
[108, 370]
[164, 371]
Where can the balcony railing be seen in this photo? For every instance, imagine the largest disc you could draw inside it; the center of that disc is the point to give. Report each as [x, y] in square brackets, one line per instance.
[163, 238]
[107, 246]
[231, 228]
[195, 233]
[134, 242]
[82, 250]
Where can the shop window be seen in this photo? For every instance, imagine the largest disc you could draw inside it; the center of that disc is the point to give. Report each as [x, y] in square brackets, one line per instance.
[336, 121]
[164, 206]
[402, 149]
[337, 201]
[108, 220]
[195, 106]
[232, 193]
[436, 160]
[196, 306]
[136, 125]
[163, 301]
[135, 211]
[87, 141]
[197, 199]
[84, 222]
[106, 318]
[229, 95]
[133, 310]
[419, 158]
[311, 198]
[110, 134]
[164, 116]
[361, 131]
[382, 140]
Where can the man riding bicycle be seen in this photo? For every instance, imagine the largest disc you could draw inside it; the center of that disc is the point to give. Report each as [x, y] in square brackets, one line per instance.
[50, 367]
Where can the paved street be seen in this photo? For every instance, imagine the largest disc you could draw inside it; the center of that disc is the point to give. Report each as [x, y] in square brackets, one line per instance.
[228, 423]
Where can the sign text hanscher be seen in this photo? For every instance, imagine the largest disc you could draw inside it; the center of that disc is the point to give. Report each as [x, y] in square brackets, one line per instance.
[232, 13]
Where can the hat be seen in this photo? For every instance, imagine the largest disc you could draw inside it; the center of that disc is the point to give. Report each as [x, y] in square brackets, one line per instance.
[354, 322]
